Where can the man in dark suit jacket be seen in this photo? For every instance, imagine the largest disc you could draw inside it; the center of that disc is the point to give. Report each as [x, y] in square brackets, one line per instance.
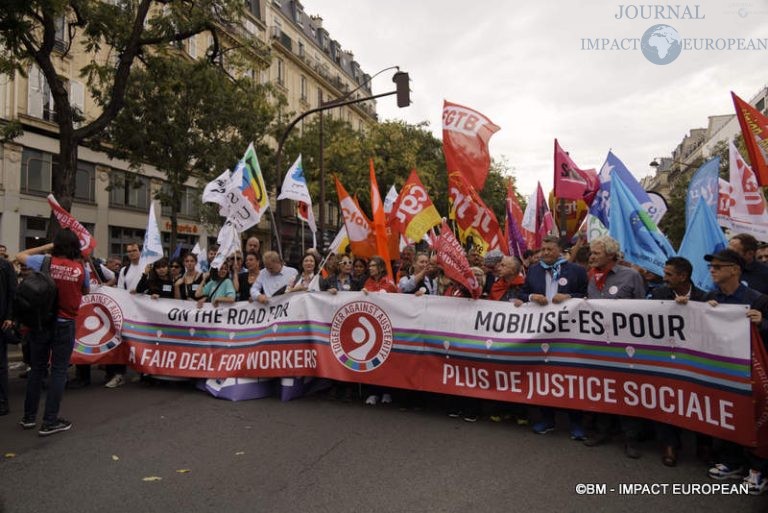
[554, 279]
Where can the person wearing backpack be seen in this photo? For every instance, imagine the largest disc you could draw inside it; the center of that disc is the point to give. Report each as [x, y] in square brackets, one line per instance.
[54, 339]
[7, 292]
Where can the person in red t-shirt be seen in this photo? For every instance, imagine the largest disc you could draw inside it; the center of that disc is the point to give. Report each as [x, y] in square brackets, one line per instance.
[378, 281]
[54, 342]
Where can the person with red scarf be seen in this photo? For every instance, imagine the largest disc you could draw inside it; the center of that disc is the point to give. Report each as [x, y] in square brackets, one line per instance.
[610, 280]
[378, 281]
[506, 287]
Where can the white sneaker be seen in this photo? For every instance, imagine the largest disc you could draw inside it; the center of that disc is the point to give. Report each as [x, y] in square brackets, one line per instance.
[386, 399]
[758, 484]
[117, 381]
[372, 400]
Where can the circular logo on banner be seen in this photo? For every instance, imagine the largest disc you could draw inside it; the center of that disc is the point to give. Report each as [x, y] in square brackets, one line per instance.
[99, 322]
[361, 336]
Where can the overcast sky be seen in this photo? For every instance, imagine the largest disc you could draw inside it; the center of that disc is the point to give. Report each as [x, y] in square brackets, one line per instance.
[522, 65]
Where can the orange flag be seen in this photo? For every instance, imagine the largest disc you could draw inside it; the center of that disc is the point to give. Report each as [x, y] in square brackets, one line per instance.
[754, 127]
[379, 221]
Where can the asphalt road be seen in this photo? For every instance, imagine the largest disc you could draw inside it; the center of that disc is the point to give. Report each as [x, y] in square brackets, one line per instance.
[314, 455]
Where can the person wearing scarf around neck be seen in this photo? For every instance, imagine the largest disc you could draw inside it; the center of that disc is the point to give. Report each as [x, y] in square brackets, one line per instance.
[554, 279]
[609, 280]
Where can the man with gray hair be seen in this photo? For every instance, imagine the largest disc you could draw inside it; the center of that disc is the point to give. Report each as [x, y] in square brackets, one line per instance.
[274, 279]
[610, 280]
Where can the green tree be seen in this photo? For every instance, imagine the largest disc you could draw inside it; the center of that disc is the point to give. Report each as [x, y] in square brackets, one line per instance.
[31, 32]
[182, 127]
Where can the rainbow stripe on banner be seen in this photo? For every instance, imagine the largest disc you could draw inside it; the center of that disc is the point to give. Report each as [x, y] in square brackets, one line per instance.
[687, 365]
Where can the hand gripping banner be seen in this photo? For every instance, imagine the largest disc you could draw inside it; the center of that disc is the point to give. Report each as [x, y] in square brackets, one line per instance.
[686, 365]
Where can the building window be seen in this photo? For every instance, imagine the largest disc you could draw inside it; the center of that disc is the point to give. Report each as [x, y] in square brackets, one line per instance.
[760, 105]
[61, 37]
[189, 204]
[128, 190]
[120, 237]
[192, 46]
[280, 71]
[302, 50]
[304, 88]
[34, 232]
[36, 167]
[85, 182]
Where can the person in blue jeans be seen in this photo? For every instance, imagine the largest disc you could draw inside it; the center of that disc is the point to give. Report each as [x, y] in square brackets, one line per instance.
[54, 341]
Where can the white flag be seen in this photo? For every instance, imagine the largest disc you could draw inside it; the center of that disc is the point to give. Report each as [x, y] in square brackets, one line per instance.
[389, 200]
[747, 204]
[338, 241]
[152, 251]
[241, 212]
[228, 241]
[216, 192]
[295, 188]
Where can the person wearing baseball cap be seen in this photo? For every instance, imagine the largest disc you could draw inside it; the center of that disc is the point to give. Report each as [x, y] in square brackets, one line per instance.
[726, 269]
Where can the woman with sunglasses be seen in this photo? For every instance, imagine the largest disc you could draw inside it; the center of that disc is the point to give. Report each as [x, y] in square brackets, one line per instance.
[176, 269]
[247, 278]
[342, 280]
[186, 286]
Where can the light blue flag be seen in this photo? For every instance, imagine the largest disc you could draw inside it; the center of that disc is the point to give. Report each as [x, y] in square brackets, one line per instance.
[640, 239]
[704, 185]
[612, 167]
[703, 236]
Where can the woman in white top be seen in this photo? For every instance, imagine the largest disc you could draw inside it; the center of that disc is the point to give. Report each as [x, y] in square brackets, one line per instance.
[309, 266]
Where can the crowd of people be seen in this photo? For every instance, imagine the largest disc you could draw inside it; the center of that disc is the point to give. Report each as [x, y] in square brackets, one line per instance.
[553, 273]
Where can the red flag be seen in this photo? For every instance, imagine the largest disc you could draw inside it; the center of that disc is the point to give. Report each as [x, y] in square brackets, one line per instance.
[379, 221]
[537, 220]
[66, 220]
[358, 227]
[754, 127]
[413, 213]
[473, 217]
[466, 133]
[760, 392]
[453, 260]
[572, 182]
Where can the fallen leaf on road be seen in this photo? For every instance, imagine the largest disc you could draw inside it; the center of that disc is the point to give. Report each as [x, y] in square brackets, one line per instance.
[152, 478]
[10, 455]
[115, 457]
[239, 453]
[183, 470]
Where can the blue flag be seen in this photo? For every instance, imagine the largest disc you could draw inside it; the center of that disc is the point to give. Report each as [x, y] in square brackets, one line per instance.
[702, 236]
[613, 167]
[704, 185]
[638, 236]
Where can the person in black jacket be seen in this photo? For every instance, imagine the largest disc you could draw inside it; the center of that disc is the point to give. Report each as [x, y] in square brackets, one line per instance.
[7, 293]
[679, 288]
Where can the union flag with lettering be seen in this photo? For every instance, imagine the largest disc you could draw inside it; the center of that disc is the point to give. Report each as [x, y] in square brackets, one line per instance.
[754, 127]
[473, 218]
[413, 213]
[466, 133]
[361, 237]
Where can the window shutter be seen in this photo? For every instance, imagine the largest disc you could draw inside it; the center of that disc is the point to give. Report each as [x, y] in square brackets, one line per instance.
[35, 92]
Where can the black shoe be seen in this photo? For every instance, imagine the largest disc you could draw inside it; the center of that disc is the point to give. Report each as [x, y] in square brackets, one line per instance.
[27, 423]
[631, 450]
[57, 427]
[76, 383]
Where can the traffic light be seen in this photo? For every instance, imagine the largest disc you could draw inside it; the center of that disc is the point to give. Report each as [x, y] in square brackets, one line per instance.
[403, 89]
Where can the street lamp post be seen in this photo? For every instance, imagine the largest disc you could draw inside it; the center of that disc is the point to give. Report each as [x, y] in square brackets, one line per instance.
[403, 100]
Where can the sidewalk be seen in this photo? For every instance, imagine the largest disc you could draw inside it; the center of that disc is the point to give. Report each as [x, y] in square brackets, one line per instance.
[14, 353]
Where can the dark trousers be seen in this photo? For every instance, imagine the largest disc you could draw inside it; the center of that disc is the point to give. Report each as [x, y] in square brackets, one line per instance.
[54, 343]
[3, 371]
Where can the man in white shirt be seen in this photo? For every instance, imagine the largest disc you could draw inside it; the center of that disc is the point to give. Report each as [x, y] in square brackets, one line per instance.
[273, 278]
[130, 275]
